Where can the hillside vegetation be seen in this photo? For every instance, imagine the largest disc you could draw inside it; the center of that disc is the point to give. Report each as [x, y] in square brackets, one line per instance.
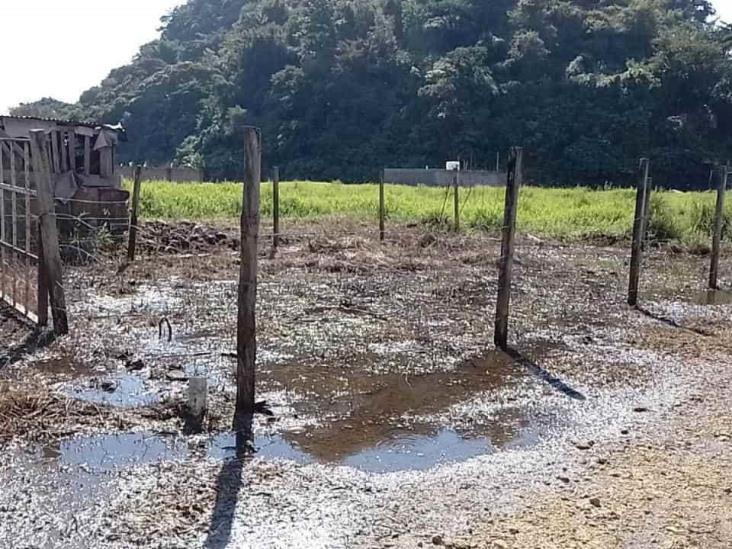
[577, 213]
[342, 88]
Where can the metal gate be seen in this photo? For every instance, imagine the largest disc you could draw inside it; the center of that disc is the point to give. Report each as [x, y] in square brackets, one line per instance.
[22, 284]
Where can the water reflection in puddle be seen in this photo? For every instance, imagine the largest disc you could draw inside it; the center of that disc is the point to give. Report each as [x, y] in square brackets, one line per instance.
[416, 453]
[407, 452]
[121, 390]
[387, 422]
[105, 453]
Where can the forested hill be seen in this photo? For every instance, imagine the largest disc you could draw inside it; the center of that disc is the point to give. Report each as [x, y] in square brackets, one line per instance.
[342, 88]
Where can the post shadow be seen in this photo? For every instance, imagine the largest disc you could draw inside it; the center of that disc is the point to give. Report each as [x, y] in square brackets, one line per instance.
[544, 375]
[37, 339]
[670, 322]
[229, 484]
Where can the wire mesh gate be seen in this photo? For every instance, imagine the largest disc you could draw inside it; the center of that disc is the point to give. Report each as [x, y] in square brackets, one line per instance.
[22, 284]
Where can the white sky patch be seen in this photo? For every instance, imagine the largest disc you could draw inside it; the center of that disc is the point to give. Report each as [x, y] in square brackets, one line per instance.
[60, 48]
[724, 9]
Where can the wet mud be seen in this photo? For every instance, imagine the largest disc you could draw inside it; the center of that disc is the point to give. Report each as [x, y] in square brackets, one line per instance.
[377, 363]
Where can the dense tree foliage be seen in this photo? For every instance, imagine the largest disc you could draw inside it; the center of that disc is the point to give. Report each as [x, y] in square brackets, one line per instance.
[344, 87]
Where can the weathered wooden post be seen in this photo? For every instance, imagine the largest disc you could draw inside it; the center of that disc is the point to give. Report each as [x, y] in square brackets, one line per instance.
[382, 208]
[2, 224]
[456, 200]
[639, 230]
[87, 155]
[513, 183]
[718, 225]
[48, 231]
[132, 244]
[42, 282]
[246, 340]
[275, 208]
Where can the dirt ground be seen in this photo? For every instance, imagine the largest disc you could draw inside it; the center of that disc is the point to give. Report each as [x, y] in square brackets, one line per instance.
[396, 423]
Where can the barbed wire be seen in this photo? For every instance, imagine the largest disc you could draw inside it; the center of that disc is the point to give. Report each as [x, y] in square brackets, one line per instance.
[91, 240]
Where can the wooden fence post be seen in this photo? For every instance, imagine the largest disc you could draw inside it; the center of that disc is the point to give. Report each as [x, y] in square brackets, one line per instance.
[42, 288]
[718, 226]
[456, 200]
[513, 183]
[382, 208]
[132, 244]
[48, 231]
[639, 230]
[246, 342]
[275, 207]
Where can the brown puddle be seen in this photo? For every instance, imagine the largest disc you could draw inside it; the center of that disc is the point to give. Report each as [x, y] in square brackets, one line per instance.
[375, 423]
[385, 413]
[407, 452]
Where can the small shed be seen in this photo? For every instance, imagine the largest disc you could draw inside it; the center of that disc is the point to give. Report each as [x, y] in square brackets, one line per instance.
[83, 161]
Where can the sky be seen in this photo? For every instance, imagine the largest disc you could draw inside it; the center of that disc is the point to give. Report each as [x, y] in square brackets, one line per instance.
[724, 9]
[59, 48]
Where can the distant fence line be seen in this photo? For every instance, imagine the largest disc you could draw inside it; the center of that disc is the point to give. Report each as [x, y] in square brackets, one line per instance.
[444, 178]
[178, 174]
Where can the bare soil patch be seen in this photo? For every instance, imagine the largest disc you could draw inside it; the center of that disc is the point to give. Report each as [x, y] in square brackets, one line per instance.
[396, 422]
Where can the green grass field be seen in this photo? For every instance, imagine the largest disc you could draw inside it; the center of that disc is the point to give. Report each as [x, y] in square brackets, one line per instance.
[574, 213]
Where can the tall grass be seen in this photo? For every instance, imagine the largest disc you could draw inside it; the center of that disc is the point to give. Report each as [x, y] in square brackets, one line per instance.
[559, 213]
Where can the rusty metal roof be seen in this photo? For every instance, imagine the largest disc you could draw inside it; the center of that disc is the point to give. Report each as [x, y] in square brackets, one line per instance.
[54, 121]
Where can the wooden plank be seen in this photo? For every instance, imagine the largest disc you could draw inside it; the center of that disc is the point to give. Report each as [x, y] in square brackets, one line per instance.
[718, 225]
[48, 231]
[17, 190]
[275, 208]
[30, 315]
[55, 136]
[12, 145]
[72, 150]
[3, 277]
[639, 227]
[132, 244]
[19, 251]
[13, 237]
[63, 152]
[42, 283]
[106, 163]
[513, 184]
[246, 321]
[87, 155]
[27, 222]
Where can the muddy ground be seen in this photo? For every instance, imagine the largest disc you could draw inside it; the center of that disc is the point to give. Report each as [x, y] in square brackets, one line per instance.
[396, 423]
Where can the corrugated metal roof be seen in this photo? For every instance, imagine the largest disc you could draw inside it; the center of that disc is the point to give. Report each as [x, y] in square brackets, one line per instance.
[53, 121]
